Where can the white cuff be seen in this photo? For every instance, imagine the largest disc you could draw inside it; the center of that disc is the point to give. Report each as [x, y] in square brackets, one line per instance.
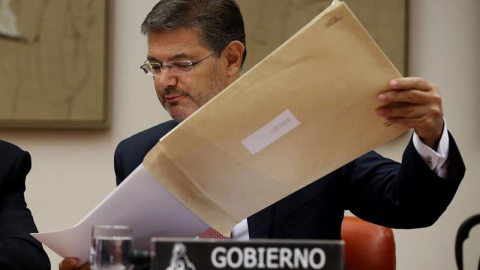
[436, 160]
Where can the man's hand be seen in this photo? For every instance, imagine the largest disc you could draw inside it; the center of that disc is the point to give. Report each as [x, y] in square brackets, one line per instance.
[71, 263]
[415, 103]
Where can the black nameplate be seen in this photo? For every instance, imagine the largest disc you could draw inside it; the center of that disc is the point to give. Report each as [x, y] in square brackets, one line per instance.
[176, 254]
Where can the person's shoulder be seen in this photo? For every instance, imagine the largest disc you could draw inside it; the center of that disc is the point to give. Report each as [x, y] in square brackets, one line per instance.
[10, 147]
[14, 160]
[131, 151]
[145, 140]
[10, 150]
[153, 133]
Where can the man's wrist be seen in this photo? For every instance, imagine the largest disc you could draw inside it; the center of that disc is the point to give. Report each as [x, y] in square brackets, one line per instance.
[435, 158]
[433, 140]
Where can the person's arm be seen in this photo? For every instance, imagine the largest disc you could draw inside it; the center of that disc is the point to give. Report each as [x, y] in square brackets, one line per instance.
[416, 103]
[117, 164]
[18, 249]
[406, 195]
[411, 194]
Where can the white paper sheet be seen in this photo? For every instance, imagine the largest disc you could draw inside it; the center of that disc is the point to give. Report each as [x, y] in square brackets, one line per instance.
[140, 202]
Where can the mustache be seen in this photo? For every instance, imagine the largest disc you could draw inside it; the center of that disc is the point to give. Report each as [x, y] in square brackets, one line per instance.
[173, 91]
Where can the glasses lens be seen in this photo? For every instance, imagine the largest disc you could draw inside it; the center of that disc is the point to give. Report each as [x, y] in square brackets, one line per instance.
[145, 69]
[181, 68]
[154, 68]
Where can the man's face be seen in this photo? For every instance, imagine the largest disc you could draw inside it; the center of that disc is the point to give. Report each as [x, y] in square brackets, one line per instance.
[181, 95]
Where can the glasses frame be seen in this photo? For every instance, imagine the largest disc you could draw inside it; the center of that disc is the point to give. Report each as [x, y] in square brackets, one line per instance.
[183, 66]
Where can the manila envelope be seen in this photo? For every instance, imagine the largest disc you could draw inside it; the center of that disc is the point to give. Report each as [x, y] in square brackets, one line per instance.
[305, 110]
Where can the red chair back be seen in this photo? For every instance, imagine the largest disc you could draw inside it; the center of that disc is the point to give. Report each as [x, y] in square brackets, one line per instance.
[368, 246]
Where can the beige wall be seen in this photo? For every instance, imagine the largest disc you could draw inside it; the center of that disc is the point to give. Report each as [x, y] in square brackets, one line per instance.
[73, 170]
[445, 48]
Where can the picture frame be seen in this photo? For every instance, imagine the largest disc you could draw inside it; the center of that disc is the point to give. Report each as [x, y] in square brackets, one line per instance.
[53, 72]
[269, 23]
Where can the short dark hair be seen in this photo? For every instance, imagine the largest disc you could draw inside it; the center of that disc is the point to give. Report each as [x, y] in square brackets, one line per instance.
[219, 22]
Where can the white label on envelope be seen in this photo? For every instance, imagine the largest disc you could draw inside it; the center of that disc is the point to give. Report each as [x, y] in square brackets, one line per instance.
[271, 132]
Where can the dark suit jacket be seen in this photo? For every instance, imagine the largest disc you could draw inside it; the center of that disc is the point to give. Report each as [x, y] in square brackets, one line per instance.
[18, 250]
[407, 195]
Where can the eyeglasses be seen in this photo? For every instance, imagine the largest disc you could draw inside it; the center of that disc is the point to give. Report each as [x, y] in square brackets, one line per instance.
[178, 67]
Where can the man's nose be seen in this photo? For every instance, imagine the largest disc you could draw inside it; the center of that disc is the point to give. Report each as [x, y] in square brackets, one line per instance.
[166, 79]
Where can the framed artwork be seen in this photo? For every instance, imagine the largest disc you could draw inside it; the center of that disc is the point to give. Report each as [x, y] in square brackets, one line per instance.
[53, 63]
[269, 23]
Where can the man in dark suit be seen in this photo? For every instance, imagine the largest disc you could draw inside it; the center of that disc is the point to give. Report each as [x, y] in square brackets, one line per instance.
[196, 48]
[18, 249]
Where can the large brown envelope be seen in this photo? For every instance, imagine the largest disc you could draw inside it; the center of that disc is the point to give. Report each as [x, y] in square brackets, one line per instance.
[304, 111]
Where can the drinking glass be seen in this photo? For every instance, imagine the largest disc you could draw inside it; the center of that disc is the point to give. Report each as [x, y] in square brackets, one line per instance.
[111, 247]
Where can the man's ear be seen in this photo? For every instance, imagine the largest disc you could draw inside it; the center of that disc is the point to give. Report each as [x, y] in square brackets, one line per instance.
[233, 54]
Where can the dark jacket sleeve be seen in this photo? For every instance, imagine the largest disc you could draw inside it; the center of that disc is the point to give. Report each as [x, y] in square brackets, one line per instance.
[407, 195]
[18, 249]
[118, 163]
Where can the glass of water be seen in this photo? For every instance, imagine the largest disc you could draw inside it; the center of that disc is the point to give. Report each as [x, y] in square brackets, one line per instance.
[111, 247]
